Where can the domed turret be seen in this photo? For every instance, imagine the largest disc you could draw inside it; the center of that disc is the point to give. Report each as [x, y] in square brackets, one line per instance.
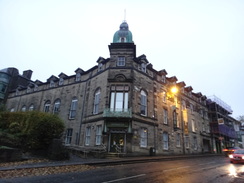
[123, 35]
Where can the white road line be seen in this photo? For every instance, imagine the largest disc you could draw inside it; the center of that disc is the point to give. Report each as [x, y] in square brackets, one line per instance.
[176, 168]
[183, 167]
[207, 163]
[126, 178]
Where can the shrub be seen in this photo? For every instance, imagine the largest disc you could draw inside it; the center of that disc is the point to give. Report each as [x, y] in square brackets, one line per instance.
[30, 130]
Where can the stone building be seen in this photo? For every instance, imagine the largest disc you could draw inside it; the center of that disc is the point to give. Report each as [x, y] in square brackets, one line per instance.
[122, 103]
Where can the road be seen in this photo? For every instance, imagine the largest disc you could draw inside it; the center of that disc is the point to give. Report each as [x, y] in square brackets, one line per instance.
[216, 169]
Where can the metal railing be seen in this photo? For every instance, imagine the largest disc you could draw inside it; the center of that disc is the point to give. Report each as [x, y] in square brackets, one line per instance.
[125, 113]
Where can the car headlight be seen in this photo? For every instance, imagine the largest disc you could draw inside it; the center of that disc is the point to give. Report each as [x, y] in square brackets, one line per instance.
[242, 157]
[231, 156]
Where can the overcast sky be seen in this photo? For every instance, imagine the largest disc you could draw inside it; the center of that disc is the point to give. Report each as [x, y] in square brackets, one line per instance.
[201, 42]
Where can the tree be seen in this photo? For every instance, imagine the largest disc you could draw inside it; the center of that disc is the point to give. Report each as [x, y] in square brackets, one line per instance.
[29, 130]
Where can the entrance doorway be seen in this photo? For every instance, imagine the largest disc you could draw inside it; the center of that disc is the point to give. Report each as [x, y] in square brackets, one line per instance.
[117, 142]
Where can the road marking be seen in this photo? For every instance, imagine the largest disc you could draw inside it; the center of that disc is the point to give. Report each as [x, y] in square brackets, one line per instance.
[183, 167]
[126, 178]
[176, 168]
[207, 163]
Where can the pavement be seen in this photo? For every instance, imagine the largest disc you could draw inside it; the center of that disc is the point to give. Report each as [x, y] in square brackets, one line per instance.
[75, 160]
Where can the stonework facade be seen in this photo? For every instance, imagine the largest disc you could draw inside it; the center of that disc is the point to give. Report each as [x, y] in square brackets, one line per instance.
[124, 104]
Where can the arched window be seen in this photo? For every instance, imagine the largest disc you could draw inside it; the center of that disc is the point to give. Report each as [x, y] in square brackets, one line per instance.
[165, 141]
[96, 101]
[73, 107]
[143, 103]
[31, 107]
[23, 109]
[56, 106]
[123, 40]
[47, 106]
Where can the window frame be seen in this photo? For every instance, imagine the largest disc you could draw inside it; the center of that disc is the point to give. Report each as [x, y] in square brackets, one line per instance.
[88, 136]
[68, 136]
[165, 116]
[100, 67]
[61, 81]
[164, 97]
[47, 106]
[143, 137]
[52, 84]
[23, 108]
[143, 106]
[73, 108]
[178, 140]
[193, 125]
[165, 141]
[56, 106]
[98, 138]
[119, 98]
[121, 61]
[187, 142]
[77, 77]
[144, 67]
[96, 101]
[31, 107]
[195, 144]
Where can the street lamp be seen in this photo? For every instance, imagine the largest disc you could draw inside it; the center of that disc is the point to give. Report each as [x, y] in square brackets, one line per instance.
[174, 90]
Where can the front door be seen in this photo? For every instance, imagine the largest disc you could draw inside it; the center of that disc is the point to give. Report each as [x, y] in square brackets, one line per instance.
[117, 142]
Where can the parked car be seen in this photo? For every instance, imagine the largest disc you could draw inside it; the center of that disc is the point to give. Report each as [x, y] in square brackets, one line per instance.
[237, 156]
[230, 150]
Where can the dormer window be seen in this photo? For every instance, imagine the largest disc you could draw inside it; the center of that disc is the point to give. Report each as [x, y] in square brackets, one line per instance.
[77, 77]
[52, 84]
[121, 61]
[61, 81]
[100, 67]
[35, 87]
[17, 92]
[144, 67]
[163, 79]
[28, 89]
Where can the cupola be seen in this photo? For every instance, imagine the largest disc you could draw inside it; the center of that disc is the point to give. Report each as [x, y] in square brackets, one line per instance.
[123, 35]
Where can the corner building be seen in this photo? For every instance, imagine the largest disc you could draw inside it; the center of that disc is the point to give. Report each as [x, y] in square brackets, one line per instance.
[122, 103]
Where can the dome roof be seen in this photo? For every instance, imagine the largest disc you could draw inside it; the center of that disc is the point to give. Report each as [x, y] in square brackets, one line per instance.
[123, 35]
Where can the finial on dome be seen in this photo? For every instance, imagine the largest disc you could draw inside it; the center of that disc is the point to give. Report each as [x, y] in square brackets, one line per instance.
[125, 15]
[123, 35]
